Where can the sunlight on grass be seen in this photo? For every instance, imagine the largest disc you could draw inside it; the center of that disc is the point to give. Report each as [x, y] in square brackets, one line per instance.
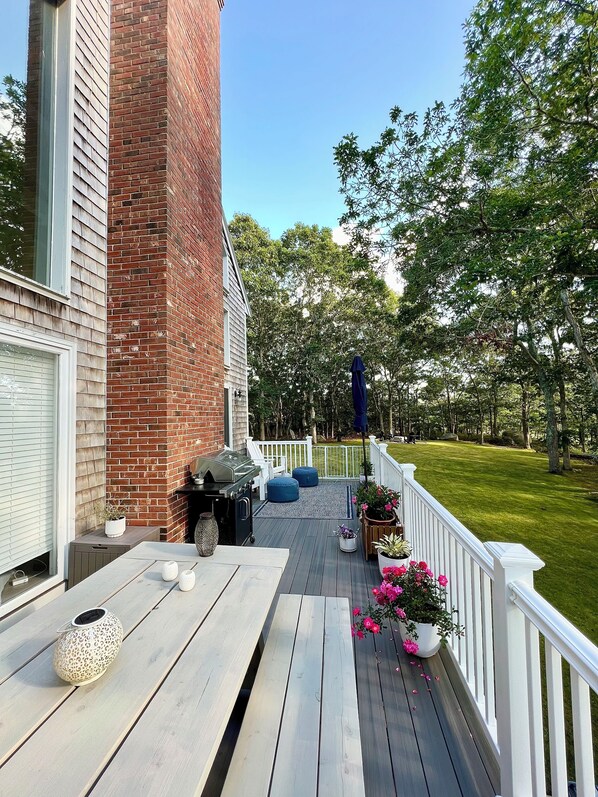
[506, 495]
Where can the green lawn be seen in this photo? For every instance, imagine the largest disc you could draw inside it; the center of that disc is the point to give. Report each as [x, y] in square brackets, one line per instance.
[506, 494]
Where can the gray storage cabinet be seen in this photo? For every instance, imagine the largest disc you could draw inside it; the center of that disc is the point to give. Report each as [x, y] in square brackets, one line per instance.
[92, 551]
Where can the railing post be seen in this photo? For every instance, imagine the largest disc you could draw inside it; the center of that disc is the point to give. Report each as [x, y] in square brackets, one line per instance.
[308, 441]
[375, 458]
[382, 449]
[407, 472]
[512, 562]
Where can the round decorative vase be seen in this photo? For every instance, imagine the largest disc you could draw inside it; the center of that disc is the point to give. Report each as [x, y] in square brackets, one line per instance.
[206, 534]
[428, 639]
[87, 646]
[348, 544]
[116, 528]
[388, 561]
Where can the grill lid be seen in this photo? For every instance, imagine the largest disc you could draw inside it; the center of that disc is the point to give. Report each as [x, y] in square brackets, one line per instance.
[224, 466]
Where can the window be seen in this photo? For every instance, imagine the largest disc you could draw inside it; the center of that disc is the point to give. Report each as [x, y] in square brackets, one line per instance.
[36, 120]
[36, 460]
[226, 338]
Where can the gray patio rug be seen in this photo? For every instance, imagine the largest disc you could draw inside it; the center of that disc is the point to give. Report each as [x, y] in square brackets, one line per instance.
[330, 499]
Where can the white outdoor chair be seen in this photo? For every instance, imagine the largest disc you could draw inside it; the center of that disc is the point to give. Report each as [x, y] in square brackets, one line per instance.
[270, 466]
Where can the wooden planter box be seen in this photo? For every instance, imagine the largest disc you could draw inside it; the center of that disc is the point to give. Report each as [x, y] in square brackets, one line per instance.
[373, 530]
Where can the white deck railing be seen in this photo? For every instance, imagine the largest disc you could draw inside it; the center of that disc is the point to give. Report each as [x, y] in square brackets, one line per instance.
[332, 462]
[491, 586]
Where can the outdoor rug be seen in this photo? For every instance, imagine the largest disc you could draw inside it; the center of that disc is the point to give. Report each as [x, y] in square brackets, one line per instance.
[330, 499]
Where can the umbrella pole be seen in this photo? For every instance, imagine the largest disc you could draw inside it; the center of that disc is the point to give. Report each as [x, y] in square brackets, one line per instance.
[365, 465]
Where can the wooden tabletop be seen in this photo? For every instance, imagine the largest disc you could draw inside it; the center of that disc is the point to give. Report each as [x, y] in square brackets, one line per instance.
[153, 722]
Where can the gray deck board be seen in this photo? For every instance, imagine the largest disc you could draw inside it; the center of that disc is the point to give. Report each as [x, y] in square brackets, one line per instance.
[414, 745]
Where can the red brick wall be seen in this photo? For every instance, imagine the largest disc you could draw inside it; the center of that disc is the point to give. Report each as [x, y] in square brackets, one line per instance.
[165, 307]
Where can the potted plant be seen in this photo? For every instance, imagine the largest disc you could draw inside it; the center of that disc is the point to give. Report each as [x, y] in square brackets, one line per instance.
[377, 502]
[347, 538]
[417, 600]
[113, 513]
[393, 551]
[366, 468]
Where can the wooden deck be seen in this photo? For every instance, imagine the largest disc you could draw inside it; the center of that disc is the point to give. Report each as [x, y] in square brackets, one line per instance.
[415, 737]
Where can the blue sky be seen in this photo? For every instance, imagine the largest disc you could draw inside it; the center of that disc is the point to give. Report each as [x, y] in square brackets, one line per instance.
[298, 76]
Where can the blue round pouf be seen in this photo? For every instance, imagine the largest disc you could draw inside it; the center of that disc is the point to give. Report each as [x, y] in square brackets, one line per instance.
[306, 476]
[283, 490]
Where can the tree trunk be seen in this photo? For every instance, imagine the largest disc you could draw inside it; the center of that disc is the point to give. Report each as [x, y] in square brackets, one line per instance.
[262, 427]
[564, 426]
[312, 418]
[584, 352]
[552, 433]
[525, 417]
[449, 412]
[390, 418]
[548, 389]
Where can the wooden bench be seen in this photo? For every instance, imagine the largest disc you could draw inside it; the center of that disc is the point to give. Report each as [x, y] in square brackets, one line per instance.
[300, 733]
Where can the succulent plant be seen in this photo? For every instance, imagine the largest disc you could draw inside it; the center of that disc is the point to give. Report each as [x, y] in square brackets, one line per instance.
[393, 546]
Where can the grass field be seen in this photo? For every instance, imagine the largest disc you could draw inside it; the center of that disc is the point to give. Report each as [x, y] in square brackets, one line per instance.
[506, 494]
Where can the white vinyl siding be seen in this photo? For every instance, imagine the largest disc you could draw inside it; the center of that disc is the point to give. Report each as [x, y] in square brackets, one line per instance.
[28, 427]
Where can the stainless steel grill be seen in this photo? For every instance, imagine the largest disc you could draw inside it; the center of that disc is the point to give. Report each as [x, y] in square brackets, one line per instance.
[230, 470]
[221, 483]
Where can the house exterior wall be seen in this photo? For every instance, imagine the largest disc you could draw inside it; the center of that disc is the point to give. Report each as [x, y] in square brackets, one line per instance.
[81, 318]
[236, 373]
[165, 308]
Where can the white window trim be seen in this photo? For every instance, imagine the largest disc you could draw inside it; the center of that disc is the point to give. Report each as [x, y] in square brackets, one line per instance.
[65, 477]
[231, 425]
[62, 187]
[226, 338]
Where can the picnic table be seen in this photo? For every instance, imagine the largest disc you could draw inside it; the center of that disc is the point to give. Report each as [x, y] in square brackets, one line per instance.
[152, 724]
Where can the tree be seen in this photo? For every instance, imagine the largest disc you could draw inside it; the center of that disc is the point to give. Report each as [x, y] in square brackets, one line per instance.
[489, 207]
[12, 173]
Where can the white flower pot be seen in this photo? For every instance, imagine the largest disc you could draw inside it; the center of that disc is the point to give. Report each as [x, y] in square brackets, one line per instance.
[349, 544]
[428, 639]
[116, 528]
[387, 561]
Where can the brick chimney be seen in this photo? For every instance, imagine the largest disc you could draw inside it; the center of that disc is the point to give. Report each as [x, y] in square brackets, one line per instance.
[165, 296]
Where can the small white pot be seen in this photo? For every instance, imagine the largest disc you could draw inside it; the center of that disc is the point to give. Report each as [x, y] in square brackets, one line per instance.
[428, 639]
[349, 544]
[387, 561]
[116, 528]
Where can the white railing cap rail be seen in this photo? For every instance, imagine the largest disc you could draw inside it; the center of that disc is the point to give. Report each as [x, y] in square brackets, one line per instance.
[573, 646]
[469, 541]
[300, 442]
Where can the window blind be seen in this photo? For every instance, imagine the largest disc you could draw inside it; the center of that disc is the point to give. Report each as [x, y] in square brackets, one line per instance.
[28, 423]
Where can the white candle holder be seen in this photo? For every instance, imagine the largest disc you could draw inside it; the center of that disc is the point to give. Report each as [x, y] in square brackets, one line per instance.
[170, 571]
[186, 580]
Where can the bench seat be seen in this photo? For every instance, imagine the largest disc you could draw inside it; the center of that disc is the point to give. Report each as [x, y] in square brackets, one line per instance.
[300, 733]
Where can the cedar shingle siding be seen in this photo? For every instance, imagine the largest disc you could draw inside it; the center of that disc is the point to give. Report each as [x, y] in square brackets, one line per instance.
[82, 318]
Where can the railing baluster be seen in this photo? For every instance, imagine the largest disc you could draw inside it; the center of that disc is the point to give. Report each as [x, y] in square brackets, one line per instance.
[582, 736]
[488, 642]
[534, 686]
[476, 634]
[556, 721]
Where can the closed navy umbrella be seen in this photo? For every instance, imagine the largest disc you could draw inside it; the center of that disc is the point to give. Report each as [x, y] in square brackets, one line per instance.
[360, 404]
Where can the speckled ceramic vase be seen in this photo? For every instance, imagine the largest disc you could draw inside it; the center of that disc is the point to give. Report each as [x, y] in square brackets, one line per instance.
[206, 534]
[87, 646]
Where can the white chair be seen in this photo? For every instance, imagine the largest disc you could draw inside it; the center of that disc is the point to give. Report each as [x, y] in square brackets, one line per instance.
[267, 464]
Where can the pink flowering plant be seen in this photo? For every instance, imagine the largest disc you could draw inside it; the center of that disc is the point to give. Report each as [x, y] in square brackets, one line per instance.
[377, 501]
[409, 595]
